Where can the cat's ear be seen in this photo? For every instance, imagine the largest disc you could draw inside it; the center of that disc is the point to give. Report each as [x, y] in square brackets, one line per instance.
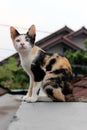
[32, 33]
[14, 33]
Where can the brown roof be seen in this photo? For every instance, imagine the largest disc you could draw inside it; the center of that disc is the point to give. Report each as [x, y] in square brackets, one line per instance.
[57, 33]
[51, 42]
[82, 82]
[3, 90]
[74, 33]
[78, 92]
[73, 43]
[57, 39]
[80, 87]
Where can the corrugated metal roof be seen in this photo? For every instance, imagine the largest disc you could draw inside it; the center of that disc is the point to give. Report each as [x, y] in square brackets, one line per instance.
[80, 87]
[81, 83]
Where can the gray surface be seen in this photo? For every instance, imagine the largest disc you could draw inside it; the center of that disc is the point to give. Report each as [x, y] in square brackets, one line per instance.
[51, 116]
[8, 107]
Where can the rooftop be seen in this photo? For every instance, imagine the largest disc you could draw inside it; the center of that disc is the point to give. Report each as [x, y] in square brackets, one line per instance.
[45, 115]
[3, 90]
[80, 87]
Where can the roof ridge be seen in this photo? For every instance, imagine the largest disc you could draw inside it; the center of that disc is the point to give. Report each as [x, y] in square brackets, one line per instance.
[71, 42]
[83, 27]
[58, 31]
[50, 42]
[57, 39]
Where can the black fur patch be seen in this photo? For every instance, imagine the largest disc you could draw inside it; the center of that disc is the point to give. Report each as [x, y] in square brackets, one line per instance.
[49, 66]
[49, 92]
[32, 39]
[54, 83]
[36, 66]
[38, 73]
[67, 89]
[55, 80]
[67, 76]
[39, 60]
[58, 71]
[38, 91]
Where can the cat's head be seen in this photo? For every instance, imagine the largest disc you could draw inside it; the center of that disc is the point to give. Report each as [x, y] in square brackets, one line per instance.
[23, 42]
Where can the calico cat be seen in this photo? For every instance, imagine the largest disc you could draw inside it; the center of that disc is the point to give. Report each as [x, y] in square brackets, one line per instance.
[50, 72]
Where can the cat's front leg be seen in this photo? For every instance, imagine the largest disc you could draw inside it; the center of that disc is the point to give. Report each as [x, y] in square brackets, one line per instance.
[29, 93]
[30, 89]
[34, 96]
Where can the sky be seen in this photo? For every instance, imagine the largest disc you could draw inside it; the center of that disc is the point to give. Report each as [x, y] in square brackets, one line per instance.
[47, 15]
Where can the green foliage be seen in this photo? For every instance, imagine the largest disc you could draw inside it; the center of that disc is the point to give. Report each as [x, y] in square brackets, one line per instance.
[78, 60]
[85, 42]
[13, 77]
[69, 55]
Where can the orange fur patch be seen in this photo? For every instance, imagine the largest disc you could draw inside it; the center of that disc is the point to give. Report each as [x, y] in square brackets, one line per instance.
[58, 94]
[62, 62]
[35, 50]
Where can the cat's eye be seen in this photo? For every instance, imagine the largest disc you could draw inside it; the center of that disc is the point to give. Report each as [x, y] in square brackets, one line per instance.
[27, 39]
[17, 40]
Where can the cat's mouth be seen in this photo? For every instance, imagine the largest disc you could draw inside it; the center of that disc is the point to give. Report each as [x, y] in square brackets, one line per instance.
[22, 47]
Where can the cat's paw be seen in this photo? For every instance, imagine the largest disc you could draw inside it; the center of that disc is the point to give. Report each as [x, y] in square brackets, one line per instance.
[24, 98]
[31, 99]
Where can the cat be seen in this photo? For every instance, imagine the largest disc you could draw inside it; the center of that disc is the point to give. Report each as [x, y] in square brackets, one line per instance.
[50, 73]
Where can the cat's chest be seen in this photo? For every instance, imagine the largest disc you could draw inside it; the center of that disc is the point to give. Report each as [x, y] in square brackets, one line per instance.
[26, 63]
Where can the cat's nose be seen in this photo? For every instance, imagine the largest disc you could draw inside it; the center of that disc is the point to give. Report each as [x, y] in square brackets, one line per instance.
[22, 44]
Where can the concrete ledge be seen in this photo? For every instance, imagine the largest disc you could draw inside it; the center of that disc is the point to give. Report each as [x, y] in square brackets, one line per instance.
[8, 108]
[50, 116]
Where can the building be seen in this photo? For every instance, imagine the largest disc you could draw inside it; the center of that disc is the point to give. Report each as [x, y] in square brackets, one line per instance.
[64, 39]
